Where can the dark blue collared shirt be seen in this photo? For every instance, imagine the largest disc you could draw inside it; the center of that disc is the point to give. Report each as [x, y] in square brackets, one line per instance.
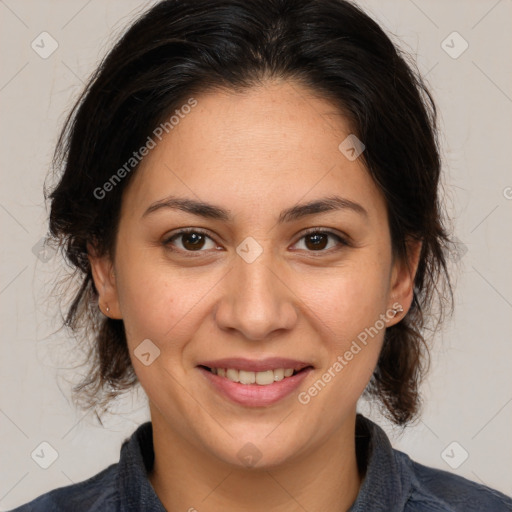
[392, 482]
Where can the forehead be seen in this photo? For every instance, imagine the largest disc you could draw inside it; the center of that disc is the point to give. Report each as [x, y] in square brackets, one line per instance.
[268, 146]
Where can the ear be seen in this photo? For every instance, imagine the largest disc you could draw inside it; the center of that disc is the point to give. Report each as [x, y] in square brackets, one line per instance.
[105, 281]
[402, 280]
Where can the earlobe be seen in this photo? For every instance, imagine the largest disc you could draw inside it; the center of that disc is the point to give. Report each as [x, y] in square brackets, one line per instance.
[402, 285]
[105, 282]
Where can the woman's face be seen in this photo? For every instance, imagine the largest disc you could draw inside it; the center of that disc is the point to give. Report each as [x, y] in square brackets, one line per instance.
[249, 283]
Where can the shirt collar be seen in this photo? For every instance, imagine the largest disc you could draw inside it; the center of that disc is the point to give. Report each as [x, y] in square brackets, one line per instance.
[135, 463]
[386, 484]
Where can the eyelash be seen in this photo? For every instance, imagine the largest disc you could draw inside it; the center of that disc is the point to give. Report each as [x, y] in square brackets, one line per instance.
[311, 231]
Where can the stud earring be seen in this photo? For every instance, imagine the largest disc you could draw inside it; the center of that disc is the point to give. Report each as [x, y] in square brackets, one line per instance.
[107, 309]
[398, 309]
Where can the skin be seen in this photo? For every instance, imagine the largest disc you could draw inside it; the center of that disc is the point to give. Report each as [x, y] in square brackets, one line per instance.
[254, 154]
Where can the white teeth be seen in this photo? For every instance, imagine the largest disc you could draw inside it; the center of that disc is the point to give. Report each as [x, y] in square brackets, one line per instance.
[246, 377]
[265, 378]
[232, 375]
[262, 378]
[279, 374]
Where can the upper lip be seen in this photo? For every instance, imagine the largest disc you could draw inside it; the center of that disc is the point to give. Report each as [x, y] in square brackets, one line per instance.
[253, 365]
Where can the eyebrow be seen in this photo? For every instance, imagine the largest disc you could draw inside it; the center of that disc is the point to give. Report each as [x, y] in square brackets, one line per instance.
[210, 211]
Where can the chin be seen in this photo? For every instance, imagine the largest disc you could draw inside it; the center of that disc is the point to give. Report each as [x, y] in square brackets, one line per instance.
[254, 451]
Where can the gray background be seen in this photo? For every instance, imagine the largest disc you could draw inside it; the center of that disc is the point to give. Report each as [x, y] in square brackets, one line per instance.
[468, 393]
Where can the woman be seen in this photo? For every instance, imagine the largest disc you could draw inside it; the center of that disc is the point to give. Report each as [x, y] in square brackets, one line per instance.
[250, 196]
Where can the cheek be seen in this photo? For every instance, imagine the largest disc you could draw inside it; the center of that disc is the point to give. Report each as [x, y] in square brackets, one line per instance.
[348, 300]
[163, 302]
[348, 309]
[158, 301]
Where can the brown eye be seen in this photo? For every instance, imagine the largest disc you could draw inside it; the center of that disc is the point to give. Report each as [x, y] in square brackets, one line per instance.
[190, 241]
[193, 241]
[320, 241]
[316, 241]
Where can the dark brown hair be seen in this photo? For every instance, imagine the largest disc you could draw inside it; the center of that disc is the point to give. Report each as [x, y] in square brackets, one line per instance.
[180, 49]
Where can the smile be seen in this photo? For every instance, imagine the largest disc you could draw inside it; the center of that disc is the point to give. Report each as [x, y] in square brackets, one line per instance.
[254, 383]
[261, 378]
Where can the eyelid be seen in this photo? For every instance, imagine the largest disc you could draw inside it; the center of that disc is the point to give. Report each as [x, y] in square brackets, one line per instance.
[344, 240]
[327, 231]
[184, 231]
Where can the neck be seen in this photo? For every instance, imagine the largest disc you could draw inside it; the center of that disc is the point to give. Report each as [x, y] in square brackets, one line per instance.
[188, 479]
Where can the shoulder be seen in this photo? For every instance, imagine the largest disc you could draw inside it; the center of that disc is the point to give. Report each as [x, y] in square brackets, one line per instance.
[94, 494]
[434, 490]
[119, 487]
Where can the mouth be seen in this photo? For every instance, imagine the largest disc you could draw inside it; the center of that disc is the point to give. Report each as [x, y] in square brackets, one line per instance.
[255, 383]
[262, 378]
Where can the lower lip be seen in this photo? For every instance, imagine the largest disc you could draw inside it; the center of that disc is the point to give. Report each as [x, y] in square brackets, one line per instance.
[255, 395]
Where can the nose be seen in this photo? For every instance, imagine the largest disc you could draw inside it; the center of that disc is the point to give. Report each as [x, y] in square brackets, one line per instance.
[256, 300]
